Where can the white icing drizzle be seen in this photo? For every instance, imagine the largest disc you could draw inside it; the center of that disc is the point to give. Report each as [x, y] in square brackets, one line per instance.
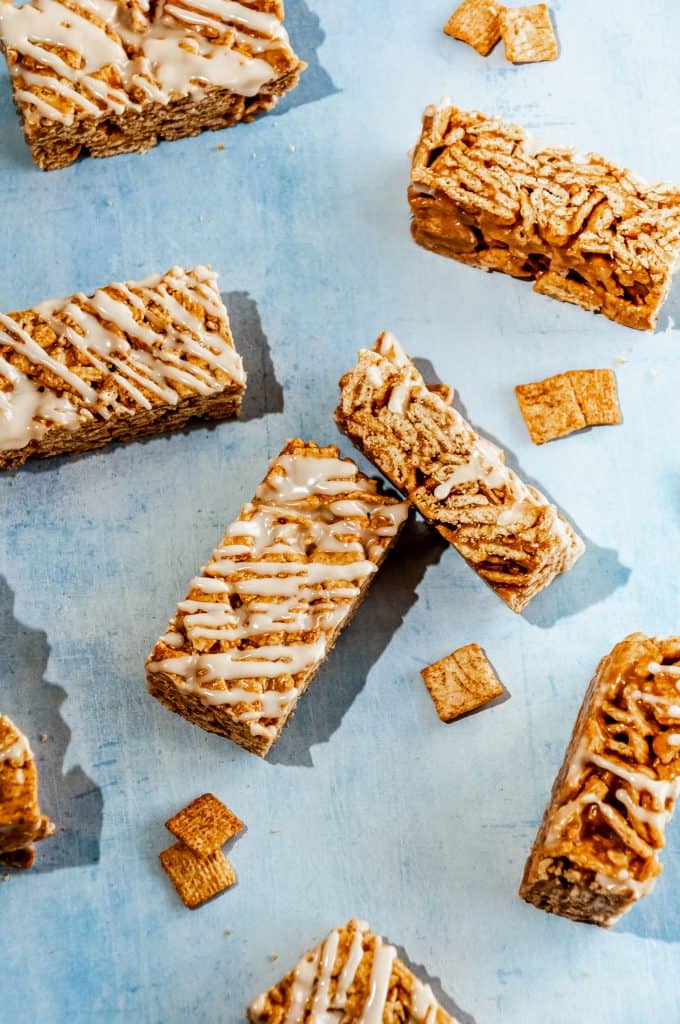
[171, 57]
[350, 968]
[19, 750]
[155, 360]
[484, 465]
[288, 598]
[655, 669]
[381, 972]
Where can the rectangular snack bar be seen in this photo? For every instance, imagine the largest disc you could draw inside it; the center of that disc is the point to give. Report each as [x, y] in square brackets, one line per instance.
[505, 529]
[269, 605]
[102, 77]
[584, 230]
[596, 852]
[130, 361]
[354, 976]
[21, 821]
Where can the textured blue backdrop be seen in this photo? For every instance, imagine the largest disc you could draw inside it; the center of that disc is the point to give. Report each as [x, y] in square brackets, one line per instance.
[383, 811]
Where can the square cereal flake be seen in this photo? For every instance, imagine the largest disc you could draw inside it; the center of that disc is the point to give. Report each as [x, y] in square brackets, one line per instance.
[476, 22]
[570, 401]
[205, 825]
[195, 878]
[461, 682]
[528, 34]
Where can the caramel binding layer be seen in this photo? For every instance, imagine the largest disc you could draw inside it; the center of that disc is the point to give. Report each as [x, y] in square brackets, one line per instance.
[21, 822]
[584, 230]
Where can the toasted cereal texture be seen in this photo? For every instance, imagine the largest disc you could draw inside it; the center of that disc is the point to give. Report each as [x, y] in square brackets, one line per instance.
[363, 978]
[528, 34]
[458, 480]
[246, 611]
[596, 393]
[461, 682]
[550, 408]
[139, 48]
[570, 401]
[171, 357]
[583, 229]
[197, 878]
[476, 22]
[22, 823]
[205, 825]
[597, 849]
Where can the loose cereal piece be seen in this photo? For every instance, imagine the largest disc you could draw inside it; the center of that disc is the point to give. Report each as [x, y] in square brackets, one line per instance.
[485, 193]
[476, 22]
[205, 825]
[505, 529]
[265, 611]
[461, 682]
[597, 850]
[528, 35]
[197, 878]
[596, 393]
[130, 361]
[354, 976]
[103, 78]
[570, 401]
[21, 821]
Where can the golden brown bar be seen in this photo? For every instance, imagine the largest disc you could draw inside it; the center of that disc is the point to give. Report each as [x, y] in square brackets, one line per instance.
[130, 361]
[267, 608]
[355, 976]
[21, 821]
[584, 230]
[117, 76]
[505, 529]
[597, 849]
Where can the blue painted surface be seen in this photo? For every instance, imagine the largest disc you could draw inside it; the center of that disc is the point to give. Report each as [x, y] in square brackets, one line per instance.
[382, 811]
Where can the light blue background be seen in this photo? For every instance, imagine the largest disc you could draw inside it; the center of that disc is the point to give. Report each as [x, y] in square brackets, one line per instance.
[383, 811]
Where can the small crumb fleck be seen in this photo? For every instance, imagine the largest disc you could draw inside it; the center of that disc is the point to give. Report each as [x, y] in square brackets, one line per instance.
[620, 359]
[253, 155]
[219, 149]
[43, 737]
[5, 877]
[109, 202]
[227, 931]
[316, 337]
[274, 830]
[273, 956]
[653, 372]
[291, 149]
[670, 326]
[201, 218]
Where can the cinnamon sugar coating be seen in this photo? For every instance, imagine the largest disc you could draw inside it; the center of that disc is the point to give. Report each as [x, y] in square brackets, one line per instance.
[584, 230]
[597, 850]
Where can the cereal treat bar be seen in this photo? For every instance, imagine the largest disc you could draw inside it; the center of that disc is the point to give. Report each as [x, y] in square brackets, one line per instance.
[132, 360]
[585, 231]
[117, 76]
[352, 976]
[505, 529]
[21, 822]
[270, 603]
[528, 35]
[596, 852]
[569, 401]
[461, 682]
[476, 22]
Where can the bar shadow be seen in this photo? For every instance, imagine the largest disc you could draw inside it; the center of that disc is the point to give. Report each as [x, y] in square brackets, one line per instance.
[390, 597]
[264, 394]
[72, 800]
[306, 37]
[442, 997]
[597, 573]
